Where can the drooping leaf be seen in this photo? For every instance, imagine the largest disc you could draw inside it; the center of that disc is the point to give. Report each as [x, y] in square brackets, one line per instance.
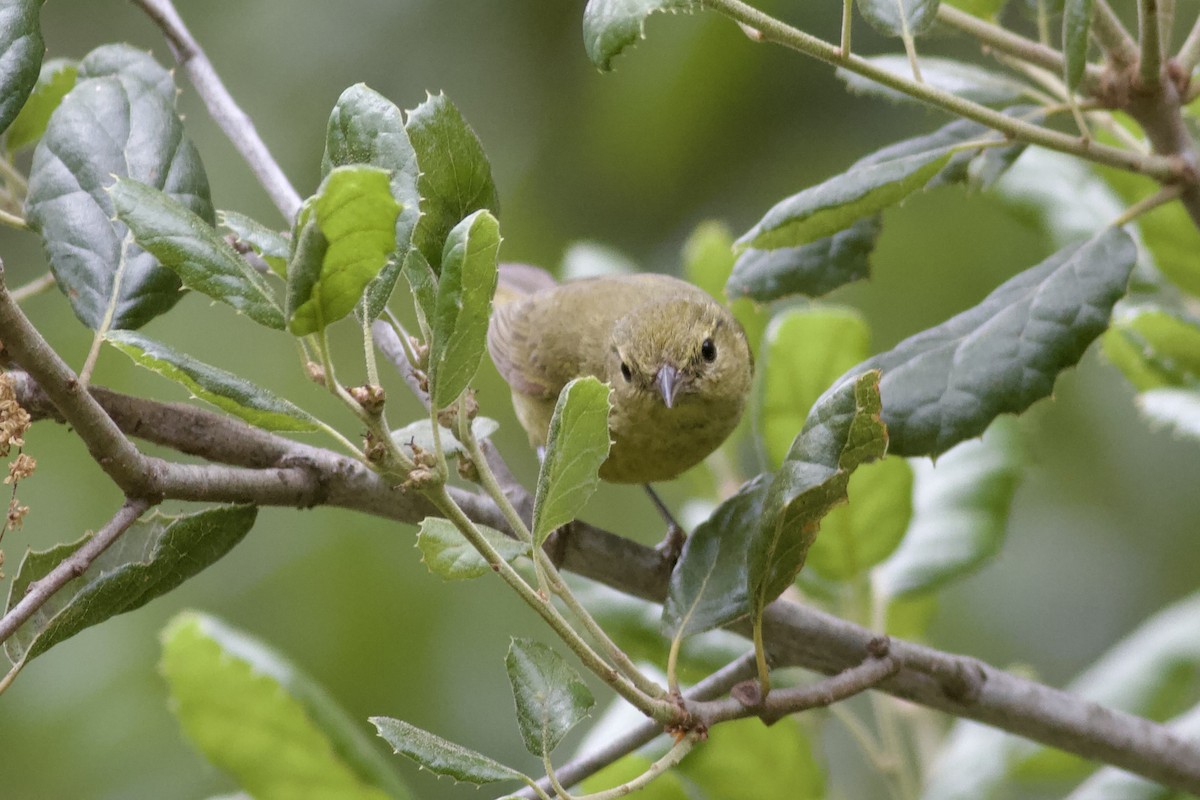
[843, 431]
[119, 120]
[192, 248]
[464, 300]
[947, 384]
[1076, 25]
[745, 759]
[344, 237]
[708, 585]
[449, 555]
[1067, 198]
[807, 350]
[22, 45]
[456, 178]
[419, 435]
[1155, 348]
[610, 26]
[272, 245]
[551, 697]
[960, 514]
[367, 128]
[708, 261]
[440, 756]
[56, 78]
[810, 269]
[148, 560]
[968, 81]
[259, 717]
[899, 17]
[839, 202]
[224, 390]
[857, 536]
[577, 444]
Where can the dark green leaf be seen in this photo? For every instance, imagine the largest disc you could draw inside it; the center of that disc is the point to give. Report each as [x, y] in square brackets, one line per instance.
[256, 715]
[857, 536]
[225, 390]
[708, 260]
[810, 269]
[344, 238]
[442, 757]
[968, 81]
[807, 350]
[746, 759]
[708, 585]
[192, 248]
[119, 120]
[22, 45]
[456, 178]
[449, 555]
[576, 445]
[899, 17]
[610, 26]
[1155, 348]
[960, 514]
[551, 697]
[272, 245]
[367, 128]
[57, 77]
[464, 301]
[947, 384]
[836, 204]
[843, 431]
[424, 285]
[1077, 23]
[148, 560]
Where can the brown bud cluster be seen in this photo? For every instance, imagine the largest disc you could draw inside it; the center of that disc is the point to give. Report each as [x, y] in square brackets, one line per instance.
[370, 397]
[14, 420]
[315, 372]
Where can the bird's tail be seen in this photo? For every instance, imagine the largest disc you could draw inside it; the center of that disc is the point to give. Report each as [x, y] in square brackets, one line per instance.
[520, 280]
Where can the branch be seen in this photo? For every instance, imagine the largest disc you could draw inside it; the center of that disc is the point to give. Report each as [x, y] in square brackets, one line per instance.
[1150, 64]
[71, 567]
[1113, 37]
[1189, 52]
[230, 118]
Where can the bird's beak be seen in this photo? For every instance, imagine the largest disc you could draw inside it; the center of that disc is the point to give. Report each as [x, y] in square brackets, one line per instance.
[667, 380]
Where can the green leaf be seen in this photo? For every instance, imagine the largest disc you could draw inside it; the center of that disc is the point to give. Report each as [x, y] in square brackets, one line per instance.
[1155, 348]
[259, 717]
[1077, 23]
[57, 77]
[192, 248]
[961, 509]
[576, 445]
[424, 285]
[708, 260]
[272, 245]
[119, 120]
[419, 435]
[947, 384]
[857, 536]
[22, 45]
[367, 128]
[440, 756]
[899, 17]
[148, 560]
[551, 697]
[968, 81]
[810, 269]
[345, 236]
[807, 350]
[985, 9]
[464, 301]
[224, 390]
[745, 759]
[839, 202]
[708, 585]
[843, 431]
[610, 26]
[456, 178]
[449, 555]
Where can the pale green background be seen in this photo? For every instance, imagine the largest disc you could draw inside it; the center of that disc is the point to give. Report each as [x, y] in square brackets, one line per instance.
[697, 122]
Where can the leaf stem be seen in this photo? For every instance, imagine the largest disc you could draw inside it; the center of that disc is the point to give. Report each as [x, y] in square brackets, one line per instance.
[1150, 64]
[559, 791]
[847, 22]
[13, 221]
[1112, 35]
[1147, 204]
[1159, 167]
[672, 758]
[33, 288]
[13, 177]
[1189, 52]
[85, 374]
[1003, 40]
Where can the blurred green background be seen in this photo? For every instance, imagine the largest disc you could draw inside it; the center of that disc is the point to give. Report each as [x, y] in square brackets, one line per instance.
[696, 123]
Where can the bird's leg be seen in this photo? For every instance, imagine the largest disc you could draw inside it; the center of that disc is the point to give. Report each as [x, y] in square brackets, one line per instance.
[671, 547]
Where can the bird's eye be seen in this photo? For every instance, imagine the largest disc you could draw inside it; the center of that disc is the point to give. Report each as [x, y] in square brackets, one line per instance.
[708, 351]
[625, 371]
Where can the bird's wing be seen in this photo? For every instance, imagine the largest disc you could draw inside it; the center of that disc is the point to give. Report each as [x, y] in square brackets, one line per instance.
[512, 341]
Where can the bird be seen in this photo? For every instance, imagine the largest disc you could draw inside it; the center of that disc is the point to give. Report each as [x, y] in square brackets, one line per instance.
[677, 361]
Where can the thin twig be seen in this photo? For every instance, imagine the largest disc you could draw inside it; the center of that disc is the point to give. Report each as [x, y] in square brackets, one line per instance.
[847, 23]
[1189, 52]
[670, 759]
[1150, 65]
[234, 122]
[1147, 204]
[71, 567]
[13, 221]
[33, 288]
[1113, 37]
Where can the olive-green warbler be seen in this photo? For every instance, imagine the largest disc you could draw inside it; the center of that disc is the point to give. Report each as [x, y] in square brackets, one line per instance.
[676, 359]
